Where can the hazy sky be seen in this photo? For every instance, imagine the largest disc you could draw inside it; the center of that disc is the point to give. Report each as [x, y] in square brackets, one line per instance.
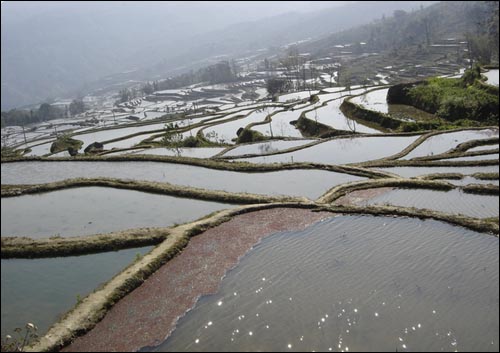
[15, 11]
[52, 48]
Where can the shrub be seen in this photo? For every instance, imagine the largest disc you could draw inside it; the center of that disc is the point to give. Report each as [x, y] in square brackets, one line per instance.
[17, 344]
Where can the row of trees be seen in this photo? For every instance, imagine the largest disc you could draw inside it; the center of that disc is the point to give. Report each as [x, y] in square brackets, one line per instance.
[483, 42]
[45, 112]
[222, 72]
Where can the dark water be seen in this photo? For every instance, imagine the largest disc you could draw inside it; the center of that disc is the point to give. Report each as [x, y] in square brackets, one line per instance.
[93, 210]
[356, 283]
[42, 290]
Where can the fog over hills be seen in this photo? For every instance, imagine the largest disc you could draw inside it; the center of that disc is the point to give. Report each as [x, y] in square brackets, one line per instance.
[62, 49]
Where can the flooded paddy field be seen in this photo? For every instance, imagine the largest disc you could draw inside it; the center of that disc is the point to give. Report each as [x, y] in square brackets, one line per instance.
[201, 152]
[375, 100]
[411, 172]
[39, 150]
[42, 290]
[470, 180]
[453, 201]
[106, 135]
[280, 124]
[282, 272]
[308, 183]
[492, 76]
[483, 157]
[227, 132]
[342, 151]
[153, 309]
[444, 142]
[265, 147]
[354, 283]
[483, 148]
[331, 115]
[94, 210]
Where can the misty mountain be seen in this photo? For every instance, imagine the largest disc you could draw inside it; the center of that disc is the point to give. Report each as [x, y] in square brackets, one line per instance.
[51, 50]
[446, 19]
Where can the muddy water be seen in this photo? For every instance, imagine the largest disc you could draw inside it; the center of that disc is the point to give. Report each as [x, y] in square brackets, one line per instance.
[42, 290]
[356, 283]
[308, 183]
[453, 201]
[93, 210]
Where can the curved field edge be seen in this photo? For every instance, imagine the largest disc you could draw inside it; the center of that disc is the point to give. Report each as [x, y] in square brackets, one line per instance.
[431, 182]
[26, 247]
[212, 164]
[145, 186]
[94, 307]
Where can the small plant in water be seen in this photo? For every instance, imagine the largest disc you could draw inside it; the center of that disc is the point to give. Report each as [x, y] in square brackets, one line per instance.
[17, 344]
[138, 257]
[78, 299]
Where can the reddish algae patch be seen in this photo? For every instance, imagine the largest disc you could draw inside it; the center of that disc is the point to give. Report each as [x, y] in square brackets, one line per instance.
[149, 314]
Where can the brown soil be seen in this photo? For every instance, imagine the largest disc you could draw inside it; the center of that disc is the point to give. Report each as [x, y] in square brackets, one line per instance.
[149, 314]
[357, 197]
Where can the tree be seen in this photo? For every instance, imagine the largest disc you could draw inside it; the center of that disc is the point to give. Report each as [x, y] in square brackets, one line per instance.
[148, 88]
[125, 95]
[277, 85]
[45, 111]
[76, 107]
[480, 48]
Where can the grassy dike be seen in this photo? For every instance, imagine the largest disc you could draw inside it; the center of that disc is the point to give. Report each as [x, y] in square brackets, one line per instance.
[93, 308]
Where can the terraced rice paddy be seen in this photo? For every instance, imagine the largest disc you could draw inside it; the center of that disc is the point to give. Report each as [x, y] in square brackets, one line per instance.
[308, 183]
[286, 272]
[374, 100]
[267, 147]
[342, 151]
[454, 201]
[442, 143]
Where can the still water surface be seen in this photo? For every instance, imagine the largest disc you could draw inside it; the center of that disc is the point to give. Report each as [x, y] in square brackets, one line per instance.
[357, 283]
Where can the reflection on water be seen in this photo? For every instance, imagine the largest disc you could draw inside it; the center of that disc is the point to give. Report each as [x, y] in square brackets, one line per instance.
[265, 147]
[41, 290]
[354, 283]
[308, 183]
[410, 172]
[453, 201]
[93, 210]
[342, 151]
[444, 142]
[483, 157]
[226, 132]
[375, 100]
